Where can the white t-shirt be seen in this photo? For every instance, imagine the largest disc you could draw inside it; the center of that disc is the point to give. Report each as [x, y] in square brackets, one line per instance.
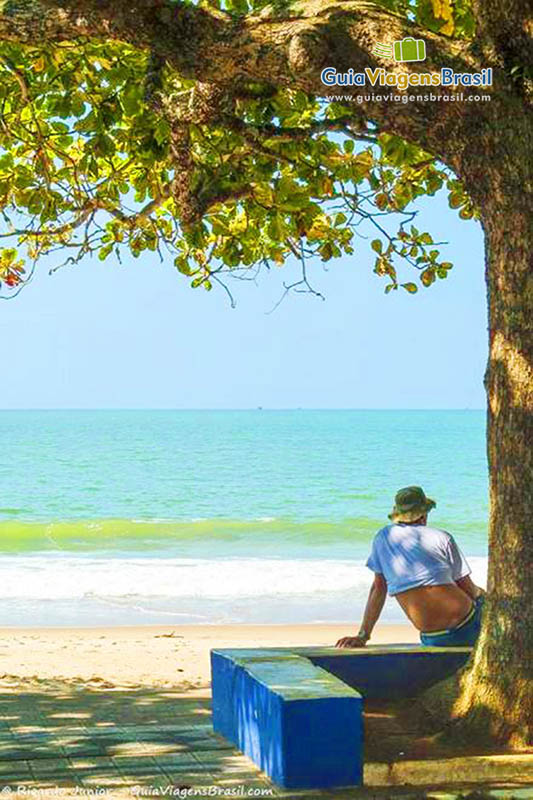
[415, 555]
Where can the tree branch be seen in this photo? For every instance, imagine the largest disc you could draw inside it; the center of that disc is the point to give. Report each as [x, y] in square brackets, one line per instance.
[291, 51]
[278, 133]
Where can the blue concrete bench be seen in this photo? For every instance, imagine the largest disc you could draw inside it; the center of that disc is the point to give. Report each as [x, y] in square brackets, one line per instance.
[297, 712]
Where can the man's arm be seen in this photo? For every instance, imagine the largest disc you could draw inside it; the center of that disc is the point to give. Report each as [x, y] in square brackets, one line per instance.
[469, 587]
[374, 604]
[460, 566]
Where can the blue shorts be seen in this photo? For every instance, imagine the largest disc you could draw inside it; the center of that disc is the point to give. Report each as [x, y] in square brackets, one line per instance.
[463, 635]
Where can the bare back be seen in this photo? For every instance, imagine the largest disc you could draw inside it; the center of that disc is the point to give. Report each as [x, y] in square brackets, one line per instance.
[434, 608]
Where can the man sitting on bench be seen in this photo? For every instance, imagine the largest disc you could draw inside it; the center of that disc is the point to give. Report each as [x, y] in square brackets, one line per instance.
[427, 573]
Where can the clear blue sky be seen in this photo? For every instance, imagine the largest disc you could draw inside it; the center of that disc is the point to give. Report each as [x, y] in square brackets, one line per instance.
[136, 336]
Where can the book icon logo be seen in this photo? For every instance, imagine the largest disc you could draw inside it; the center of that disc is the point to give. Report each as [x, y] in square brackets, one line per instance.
[407, 49]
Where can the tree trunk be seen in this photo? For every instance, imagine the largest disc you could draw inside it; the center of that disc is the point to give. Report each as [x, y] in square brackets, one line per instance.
[497, 691]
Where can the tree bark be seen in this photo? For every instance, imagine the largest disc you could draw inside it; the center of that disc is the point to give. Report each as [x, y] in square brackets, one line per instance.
[497, 691]
[505, 27]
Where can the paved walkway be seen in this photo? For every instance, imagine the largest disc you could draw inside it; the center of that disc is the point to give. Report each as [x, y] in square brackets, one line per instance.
[64, 735]
[66, 740]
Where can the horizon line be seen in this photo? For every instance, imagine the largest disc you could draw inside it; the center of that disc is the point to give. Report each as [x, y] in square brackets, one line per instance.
[244, 408]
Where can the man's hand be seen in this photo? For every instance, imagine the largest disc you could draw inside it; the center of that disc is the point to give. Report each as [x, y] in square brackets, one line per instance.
[351, 641]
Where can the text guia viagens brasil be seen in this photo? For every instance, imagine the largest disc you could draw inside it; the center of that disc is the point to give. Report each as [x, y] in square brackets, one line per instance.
[403, 80]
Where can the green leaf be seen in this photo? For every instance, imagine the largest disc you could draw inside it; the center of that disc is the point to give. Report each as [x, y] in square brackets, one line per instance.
[326, 251]
[455, 200]
[428, 277]
[131, 99]
[182, 263]
[105, 251]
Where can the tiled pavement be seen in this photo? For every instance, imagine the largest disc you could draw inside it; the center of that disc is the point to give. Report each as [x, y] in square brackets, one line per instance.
[73, 737]
[66, 740]
[60, 737]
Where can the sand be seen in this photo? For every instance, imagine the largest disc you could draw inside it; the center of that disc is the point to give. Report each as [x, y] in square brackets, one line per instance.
[151, 656]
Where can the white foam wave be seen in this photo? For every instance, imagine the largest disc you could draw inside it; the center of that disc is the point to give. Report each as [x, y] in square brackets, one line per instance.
[126, 580]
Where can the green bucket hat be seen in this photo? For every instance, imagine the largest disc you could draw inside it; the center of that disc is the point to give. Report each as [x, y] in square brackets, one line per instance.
[410, 504]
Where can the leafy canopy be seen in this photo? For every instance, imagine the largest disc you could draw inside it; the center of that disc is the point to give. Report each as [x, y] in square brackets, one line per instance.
[101, 154]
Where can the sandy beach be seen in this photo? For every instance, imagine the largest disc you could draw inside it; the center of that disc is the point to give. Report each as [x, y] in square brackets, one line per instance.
[151, 656]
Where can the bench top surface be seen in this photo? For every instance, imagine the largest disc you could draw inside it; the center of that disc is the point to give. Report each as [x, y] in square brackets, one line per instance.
[245, 654]
[296, 678]
[329, 672]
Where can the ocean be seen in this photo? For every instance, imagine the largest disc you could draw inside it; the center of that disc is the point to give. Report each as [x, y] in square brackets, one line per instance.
[173, 517]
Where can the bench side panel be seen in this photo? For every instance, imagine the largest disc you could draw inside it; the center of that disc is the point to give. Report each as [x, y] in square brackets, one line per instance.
[393, 675]
[247, 713]
[323, 743]
[298, 723]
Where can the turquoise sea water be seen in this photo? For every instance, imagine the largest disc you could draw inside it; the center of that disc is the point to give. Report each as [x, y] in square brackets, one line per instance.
[116, 517]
